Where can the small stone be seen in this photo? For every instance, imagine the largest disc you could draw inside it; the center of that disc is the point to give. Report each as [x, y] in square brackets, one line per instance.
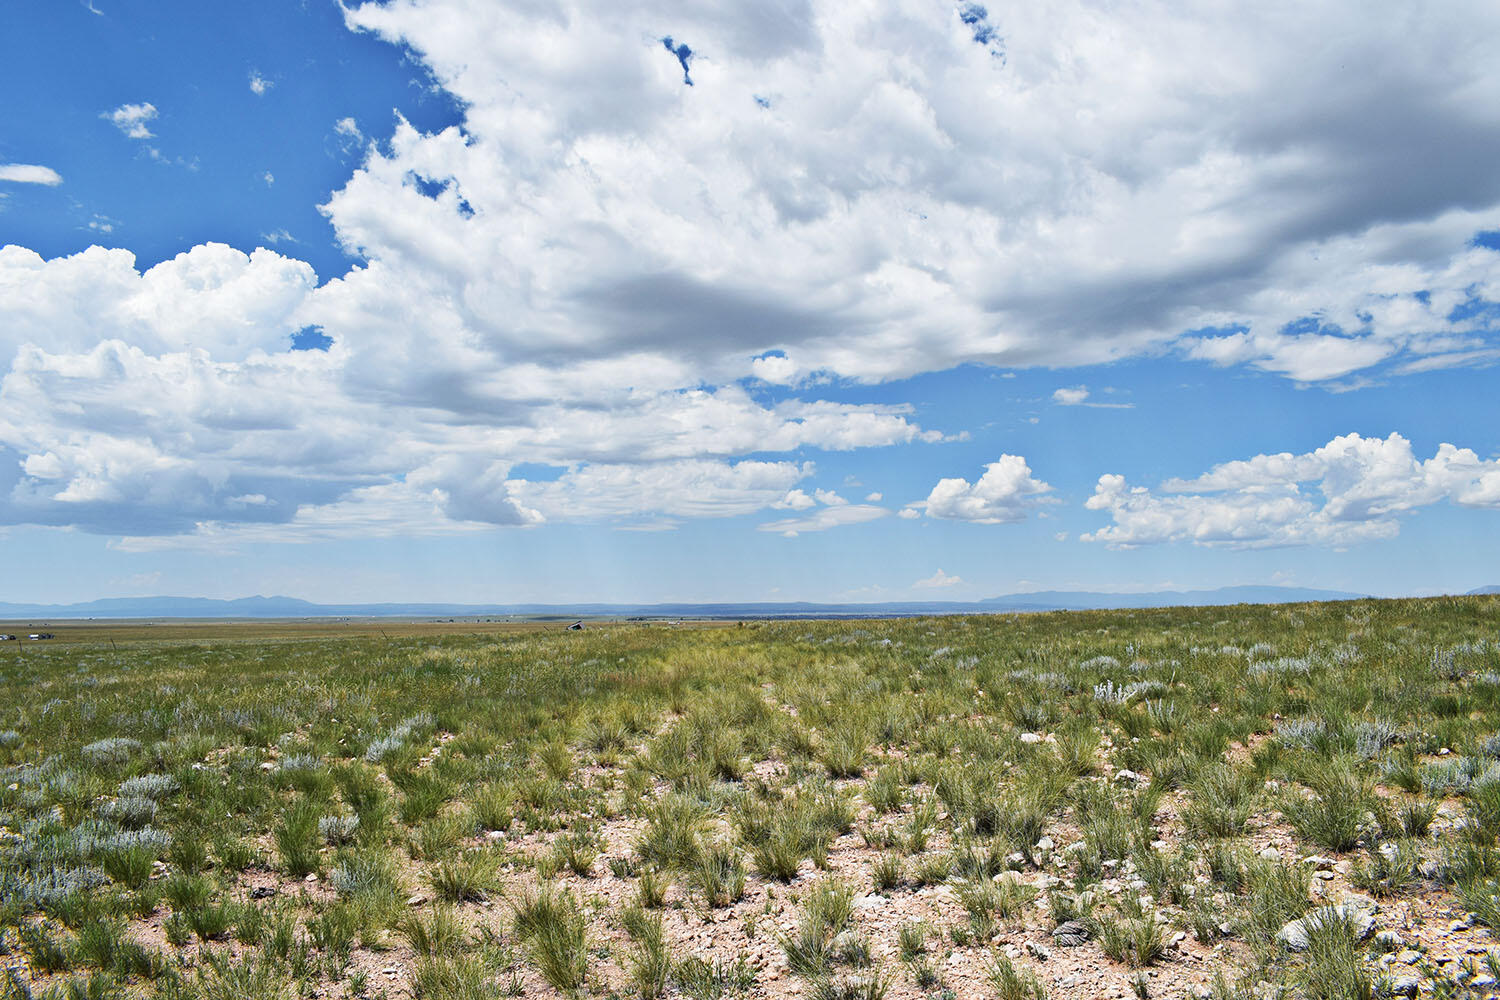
[1031, 738]
[874, 901]
[1405, 987]
[1127, 777]
[1460, 925]
[263, 892]
[1270, 854]
[416, 900]
[1388, 941]
[311, 877]
[1325, 876]
[1045, 844]
[1040, 952]
[1070, 933]
[1409, 957]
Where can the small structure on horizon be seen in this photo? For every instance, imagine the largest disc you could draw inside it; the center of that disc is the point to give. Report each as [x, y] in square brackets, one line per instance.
[576, 627]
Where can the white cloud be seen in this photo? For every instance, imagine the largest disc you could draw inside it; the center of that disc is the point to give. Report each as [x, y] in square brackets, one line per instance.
[874, 498]
[259, 84]
[29, 173]
[939, 580]
[1079, 396]
[854, 221]
[824, 518]
[269, 178]
[163, 400]
[132, 118]
[1003, 495]
[1360, 487]
[776, 368]
[590, 271]
[681, 489]
[831, 511]
[794, 500]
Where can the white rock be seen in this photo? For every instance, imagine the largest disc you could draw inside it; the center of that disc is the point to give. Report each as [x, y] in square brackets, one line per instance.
[1294, 935]
[1270, 854]
[1030, 738]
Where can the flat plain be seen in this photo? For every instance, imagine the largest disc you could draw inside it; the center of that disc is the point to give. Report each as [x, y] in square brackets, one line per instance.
[1249, 801]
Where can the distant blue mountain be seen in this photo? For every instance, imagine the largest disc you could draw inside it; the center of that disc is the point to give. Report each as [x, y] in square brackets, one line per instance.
[1485, 590]
[291, 607]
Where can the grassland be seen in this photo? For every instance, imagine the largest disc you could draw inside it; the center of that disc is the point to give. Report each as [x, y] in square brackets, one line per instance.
[1085, 804]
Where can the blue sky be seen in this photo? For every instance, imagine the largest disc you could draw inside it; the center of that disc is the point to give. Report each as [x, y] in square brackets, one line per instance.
[480, 300]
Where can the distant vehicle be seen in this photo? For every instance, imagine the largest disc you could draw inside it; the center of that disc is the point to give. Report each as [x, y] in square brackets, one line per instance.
[41, 635]
[5, 638]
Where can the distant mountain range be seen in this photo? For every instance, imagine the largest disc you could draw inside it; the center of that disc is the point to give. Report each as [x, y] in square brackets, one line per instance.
[291, 607]
[1494, 589]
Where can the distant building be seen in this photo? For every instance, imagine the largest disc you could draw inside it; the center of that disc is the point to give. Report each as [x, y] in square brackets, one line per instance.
[576, 627]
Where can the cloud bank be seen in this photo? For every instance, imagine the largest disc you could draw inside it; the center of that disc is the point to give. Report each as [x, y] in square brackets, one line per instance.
[639, 262]
[1353, 489]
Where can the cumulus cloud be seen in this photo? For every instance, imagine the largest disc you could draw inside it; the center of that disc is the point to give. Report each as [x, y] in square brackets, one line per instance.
[939, 580]
[1352, 489]
[29, 173]
[1003, 495]
[854, 223]
[642, 282]
[259, 84]
[794, 500]
[166, 401]
[131, 119]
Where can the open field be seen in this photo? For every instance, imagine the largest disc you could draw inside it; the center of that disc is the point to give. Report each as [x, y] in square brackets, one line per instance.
[1096, 804]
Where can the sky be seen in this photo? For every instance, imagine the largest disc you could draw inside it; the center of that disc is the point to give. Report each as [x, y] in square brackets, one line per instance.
[621, 300]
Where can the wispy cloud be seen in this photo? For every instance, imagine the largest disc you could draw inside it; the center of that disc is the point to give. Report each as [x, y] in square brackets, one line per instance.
[259, 84]
[827, 510]
[1078, 395]
[29, 173]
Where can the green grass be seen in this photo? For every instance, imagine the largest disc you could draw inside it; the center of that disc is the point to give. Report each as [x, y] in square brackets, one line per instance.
[716, 775]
